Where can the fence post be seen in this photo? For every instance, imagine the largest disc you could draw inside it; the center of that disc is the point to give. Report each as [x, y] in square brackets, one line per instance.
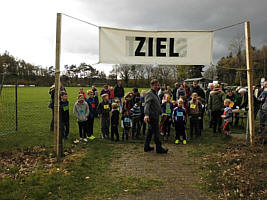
[250, 83]
[57, 137]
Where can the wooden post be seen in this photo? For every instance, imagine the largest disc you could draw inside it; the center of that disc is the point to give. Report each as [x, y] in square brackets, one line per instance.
[57, 138]
[250, 83]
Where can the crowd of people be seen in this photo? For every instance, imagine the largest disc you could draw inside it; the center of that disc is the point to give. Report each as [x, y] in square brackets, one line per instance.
[161, 107]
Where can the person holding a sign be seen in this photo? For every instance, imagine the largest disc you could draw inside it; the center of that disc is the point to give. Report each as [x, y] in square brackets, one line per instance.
[152, 112]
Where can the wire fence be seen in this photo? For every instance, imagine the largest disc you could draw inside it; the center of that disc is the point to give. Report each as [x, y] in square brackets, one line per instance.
[8, 107]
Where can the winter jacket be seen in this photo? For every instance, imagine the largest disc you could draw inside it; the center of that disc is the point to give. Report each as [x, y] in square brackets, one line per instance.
[92, 106]
[216, 101]
[115, 116]
[135, 111]
[228, 112]
[264, 102]
[105, 92]
[142, 105]
[126, 121]
[81, 111]
[111, 92]
[194, 109]
[179, 115]
[103, 109]
[200, 92]
[167, 108]
[152, 105]
[64, 110]
[174, 92]
[118, 91]
[180, 92]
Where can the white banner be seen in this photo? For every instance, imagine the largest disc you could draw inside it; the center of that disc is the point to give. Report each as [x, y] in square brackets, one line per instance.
[117, 46]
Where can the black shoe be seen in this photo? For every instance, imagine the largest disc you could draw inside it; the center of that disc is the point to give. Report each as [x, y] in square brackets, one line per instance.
[162, 151]
[147, 149]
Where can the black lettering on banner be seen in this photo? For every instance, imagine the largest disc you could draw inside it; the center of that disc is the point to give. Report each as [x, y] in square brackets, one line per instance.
[150, 46]
[172, 54]
[160, 46]
[140, 45]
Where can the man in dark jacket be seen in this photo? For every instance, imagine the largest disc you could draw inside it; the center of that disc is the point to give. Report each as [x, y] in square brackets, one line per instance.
[196, 89]
[152, 113]
[174, 91]
[119, 91]
[216, 106]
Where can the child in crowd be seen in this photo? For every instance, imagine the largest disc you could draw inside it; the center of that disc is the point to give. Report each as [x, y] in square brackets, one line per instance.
[118, 102]
[135, 94]
[64, 115]
[92, 107]
[128, 104]
[105, 90]
[179, 119]
[167, 109]
[115, 122]
[126, 124]
[135, 114]
[82, 92]
[194, 113]
[103, 110]
[94, 89]
[142, 105]
[228, 117]
[81, 112]
[111, 92]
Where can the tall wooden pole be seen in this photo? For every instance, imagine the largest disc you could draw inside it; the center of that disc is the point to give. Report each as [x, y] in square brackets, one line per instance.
[250, 83]
[57, 137]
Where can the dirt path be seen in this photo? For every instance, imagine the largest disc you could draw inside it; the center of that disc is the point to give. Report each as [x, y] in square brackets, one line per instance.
[176, 170]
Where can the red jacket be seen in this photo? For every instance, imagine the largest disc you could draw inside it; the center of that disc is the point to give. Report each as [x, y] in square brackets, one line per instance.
[111, 94]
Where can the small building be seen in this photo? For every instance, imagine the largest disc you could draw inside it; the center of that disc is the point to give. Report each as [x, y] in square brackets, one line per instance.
[202, 82]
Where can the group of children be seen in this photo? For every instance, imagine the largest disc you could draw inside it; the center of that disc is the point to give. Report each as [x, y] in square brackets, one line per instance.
[174, 113]
[177, 112]
[109, 110]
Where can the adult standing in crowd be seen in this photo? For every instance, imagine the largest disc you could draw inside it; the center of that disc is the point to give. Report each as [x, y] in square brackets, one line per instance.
[210, 88]
[161, 92]
[174, 91]
[187, 90]
[263, 109]
[216, 105]
[152, 112]
[180, 92]
[197, 89]
[119, 91]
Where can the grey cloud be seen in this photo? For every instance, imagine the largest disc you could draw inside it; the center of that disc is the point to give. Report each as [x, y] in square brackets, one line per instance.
[183, 15]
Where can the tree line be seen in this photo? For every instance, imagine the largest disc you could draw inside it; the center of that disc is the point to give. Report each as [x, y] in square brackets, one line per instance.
[230, 69]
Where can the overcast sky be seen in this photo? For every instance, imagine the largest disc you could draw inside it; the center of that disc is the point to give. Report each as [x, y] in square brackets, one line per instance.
[28, 26]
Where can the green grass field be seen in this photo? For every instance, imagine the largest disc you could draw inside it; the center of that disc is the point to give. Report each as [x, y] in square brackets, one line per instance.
[93, 158]
[34, 118]
[85, 173]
